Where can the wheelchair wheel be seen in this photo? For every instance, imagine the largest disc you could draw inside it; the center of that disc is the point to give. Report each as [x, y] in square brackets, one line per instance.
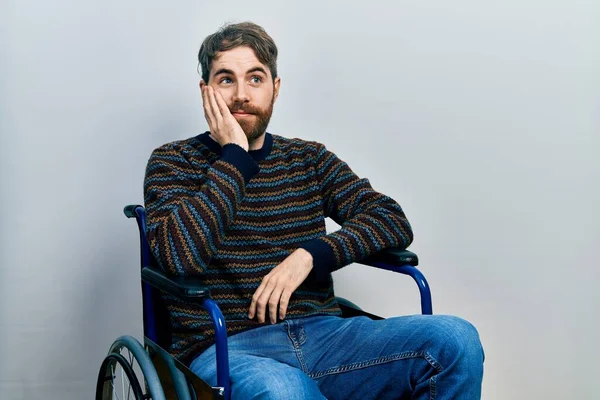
[117, 379]
[127, 372]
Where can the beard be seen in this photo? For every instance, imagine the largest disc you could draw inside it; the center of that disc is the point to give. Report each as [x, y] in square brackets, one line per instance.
[254, 127]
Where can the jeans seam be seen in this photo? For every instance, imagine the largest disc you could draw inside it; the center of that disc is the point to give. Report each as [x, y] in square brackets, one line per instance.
[378, 361]
[297, 347]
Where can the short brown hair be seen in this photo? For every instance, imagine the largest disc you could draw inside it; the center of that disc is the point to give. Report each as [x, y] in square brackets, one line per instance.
[234, 35]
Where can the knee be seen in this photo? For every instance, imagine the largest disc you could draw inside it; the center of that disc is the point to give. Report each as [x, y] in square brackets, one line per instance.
[459, 339]
[274, 389]
[266, 386]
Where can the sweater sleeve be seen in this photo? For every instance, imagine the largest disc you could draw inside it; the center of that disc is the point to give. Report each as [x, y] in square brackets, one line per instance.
[370, 221]
[190, 208]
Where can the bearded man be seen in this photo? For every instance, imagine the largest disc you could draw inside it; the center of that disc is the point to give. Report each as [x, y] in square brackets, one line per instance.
[245, 210]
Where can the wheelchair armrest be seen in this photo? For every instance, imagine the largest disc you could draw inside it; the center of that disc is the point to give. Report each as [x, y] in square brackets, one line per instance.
[185, 288]
[392, 256]
[404, 262]
[130, 210]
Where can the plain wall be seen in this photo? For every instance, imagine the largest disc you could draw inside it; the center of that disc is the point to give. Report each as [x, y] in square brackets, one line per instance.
[480, 118]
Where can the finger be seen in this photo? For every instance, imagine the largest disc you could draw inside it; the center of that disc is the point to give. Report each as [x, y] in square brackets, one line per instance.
[207, 112]
[273, 303]
[256, 296]
[221, 104]
[213, 105]
[211, 116]
[261, 306]
[284, 302]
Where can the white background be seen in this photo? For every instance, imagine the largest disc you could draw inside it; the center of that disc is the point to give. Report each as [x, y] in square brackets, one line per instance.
[481, 118]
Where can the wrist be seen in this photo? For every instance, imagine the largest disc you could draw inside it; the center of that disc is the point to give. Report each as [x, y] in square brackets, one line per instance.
[306, 257]
[242, 145]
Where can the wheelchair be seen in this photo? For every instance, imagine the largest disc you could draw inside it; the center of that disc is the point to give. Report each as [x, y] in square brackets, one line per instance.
[132, 370]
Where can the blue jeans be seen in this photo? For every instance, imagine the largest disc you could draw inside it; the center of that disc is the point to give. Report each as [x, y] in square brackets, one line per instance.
[325, 357]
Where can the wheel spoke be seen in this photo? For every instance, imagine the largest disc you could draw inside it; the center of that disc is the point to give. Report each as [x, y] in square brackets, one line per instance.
[115, 391]
[112, 382]
[123, 382]
[131, 364]
[128, 390]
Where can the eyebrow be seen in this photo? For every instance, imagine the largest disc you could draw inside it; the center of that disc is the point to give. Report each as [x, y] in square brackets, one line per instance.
[230, 72]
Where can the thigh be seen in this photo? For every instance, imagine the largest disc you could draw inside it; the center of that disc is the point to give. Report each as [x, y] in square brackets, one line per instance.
[254, 377]
[391, 358]
[263, 364]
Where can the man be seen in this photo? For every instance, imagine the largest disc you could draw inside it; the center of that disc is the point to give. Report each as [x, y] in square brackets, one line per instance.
[245, 210]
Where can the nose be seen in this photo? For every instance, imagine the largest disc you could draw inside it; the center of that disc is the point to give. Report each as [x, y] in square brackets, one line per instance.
[240, 94]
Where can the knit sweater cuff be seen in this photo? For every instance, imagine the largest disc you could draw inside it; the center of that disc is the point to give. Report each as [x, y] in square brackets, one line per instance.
[323, 259]
[239, 158]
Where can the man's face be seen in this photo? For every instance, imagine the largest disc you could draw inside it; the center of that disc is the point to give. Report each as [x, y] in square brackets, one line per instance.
[247, 87]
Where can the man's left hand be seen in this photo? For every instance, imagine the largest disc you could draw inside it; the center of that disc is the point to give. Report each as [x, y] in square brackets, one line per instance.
[278, 285]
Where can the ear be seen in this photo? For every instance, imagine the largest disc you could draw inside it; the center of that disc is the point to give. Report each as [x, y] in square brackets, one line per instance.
[276, 86]
[202, 84]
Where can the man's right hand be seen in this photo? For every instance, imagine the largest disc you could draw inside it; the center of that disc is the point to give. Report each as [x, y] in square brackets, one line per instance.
[223, 126]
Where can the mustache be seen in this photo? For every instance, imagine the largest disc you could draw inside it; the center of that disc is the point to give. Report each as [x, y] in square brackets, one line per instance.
[245, 108]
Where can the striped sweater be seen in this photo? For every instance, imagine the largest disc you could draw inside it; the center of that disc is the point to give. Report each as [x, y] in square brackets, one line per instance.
[230, 216]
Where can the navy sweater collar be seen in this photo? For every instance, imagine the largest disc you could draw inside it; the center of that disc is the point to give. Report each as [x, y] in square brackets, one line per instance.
[257, 155]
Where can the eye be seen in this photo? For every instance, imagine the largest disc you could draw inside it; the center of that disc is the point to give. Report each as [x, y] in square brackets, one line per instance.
[225, 79]
[256, 79]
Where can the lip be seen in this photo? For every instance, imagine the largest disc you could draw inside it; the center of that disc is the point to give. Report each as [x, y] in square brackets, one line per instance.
[242, 114]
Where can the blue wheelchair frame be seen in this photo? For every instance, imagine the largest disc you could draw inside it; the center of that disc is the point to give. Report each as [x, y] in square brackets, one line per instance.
[396, 260]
